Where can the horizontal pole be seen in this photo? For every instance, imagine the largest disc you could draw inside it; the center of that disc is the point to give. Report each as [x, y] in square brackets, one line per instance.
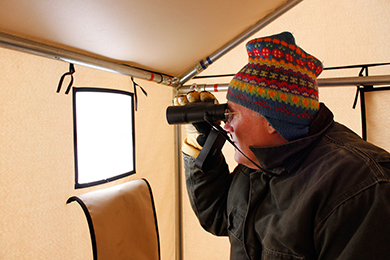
[354, 81]
[203, 87]
[44, 50]
[202, 65]
[326, 82]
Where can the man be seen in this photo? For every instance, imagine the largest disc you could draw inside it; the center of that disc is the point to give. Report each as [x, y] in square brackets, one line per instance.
[307, 187]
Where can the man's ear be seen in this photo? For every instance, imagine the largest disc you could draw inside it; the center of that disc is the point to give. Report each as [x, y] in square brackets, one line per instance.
[275, 135]
[270, 129]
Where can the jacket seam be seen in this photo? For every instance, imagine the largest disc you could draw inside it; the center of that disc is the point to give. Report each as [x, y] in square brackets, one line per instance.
[281, 254]
[320, 223]
[366, 157]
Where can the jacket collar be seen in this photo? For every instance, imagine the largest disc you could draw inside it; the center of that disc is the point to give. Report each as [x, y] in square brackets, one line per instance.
[281, 158]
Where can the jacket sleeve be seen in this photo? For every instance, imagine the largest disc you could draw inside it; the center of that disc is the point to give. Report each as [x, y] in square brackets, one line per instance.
[208, 192]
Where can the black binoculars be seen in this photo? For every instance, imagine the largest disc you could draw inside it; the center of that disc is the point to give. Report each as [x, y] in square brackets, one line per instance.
[210, 113]
[195, 112]
[200, 112]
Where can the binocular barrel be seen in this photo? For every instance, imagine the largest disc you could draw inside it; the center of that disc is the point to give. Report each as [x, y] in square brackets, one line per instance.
[192, 113]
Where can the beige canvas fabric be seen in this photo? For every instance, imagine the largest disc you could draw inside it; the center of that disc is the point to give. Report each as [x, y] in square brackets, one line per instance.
[122, 221]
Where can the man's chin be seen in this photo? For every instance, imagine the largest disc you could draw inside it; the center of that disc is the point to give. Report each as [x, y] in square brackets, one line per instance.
[241, 159]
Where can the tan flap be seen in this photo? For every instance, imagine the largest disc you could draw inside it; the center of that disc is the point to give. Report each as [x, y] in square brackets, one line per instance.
[122, 221]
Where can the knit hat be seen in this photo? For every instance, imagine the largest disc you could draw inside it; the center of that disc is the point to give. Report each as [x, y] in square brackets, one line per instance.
[279, 82]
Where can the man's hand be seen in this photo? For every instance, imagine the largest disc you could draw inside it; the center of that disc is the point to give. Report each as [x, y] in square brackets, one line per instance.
[197, 132]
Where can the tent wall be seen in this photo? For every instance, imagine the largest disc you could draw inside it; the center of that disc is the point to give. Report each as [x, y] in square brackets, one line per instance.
[37, 164]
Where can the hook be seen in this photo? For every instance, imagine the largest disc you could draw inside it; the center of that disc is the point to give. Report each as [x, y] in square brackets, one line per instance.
[70, 73]
[135, 92]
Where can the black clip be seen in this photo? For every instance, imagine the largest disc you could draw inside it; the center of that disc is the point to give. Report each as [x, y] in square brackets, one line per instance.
[359, 88]
[71, 71]
[135, 92]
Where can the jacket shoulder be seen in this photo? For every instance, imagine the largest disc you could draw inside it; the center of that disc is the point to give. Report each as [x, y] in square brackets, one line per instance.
[359, 150]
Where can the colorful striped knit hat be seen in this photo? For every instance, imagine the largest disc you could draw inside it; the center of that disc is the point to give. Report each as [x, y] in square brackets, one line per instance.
[279, 82]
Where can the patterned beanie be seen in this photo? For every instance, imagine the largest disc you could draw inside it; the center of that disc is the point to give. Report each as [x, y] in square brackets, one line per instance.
[279, 82]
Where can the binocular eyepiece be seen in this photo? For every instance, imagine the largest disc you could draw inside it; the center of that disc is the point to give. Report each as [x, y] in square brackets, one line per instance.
[194, 112]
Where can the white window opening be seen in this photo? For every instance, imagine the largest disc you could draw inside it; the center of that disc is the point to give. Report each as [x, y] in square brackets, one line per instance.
[103, 135]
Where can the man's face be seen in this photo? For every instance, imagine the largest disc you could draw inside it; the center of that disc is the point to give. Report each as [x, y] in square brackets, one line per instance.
[248, 128]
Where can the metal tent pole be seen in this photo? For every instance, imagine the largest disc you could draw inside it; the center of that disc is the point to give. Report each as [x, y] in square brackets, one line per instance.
[326, 82]
[203, 64]
[33, 47]
[178, 196]
[353, 81]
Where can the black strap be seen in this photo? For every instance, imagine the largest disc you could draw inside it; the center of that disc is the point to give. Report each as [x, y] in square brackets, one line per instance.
[356, 97]
[135, 93]
[219, 129]
[70, 73]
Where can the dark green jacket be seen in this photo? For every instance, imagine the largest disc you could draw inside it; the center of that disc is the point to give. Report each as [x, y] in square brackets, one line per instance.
[328, 197]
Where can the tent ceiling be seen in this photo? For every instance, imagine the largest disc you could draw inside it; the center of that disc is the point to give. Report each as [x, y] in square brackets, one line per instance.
[165, 36]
